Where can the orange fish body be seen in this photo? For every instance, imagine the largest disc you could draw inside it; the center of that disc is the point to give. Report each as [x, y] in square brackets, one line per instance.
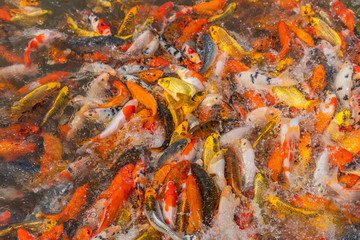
[275, 163]
[162, 11]
[23, 234]
[325, 113]
[83, 233]
[195, 203]
[124, 176]
[285, 40]
[4, 15]
[254, 99]
[113, 205]
[151, 75]
[209, 8]
[193, 28]
[10, 56]
[318, 81]
[340, 156]
[17, 132]
[73, 207]
[11, 150]
[345, 15]
[53, 153]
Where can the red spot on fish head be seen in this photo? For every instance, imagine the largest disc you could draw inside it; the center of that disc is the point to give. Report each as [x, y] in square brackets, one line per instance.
[128, 110]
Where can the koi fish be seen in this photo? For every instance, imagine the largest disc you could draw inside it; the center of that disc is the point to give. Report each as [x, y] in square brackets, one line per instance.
[43, 40]
[225, 42]
[255, 80]
[10, 150]
[58, 104]
[325, 113]
[97, 24]
[343, 84]
[73, 207]
[118, 121]
[344, 193]
[169, 207]
[293, 97]
[140, 181]
[345, 15]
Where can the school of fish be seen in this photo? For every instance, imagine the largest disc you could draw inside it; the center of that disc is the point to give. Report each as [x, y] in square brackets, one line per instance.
[219, 119]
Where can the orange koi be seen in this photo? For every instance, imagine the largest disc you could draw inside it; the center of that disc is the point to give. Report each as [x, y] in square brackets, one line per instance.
[140, 182]
[121, 96]
[169, 207]
[340, 156]
[24, 234]
[83, 233]
[17, 132]
[161, 174]
[234, 67]
[4, 218]
[310, 202]
[209, 8]
[11, 150]
[318, 80]
[193, 28]
[4, 14]
[53, 234]
[349, 180]
[263, 43]
[162, 11]
[275, 163]
[154, 62]
[143, 97]
[88, 56]
[345, 15]
[113, 205]
[302, 34]
[254, 99]
[195, 202]
[53, 153]
[325, 113]
[58, 56]
[73, 207]
[177, 175]
[285, 40]
[124, 176]
[10, 56]
[52, 77]
[151, 75]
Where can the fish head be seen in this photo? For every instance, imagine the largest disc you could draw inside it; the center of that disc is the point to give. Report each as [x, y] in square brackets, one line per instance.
[214, 32]
[164, 82]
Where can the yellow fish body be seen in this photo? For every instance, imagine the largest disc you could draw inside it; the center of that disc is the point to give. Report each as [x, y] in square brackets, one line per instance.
[293, 97]
[30, 19]
[225, 42]
[78, 31]
[58, 103]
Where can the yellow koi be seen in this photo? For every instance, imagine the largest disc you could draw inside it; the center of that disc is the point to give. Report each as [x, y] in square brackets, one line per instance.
[180, 132]
[287, 209]
[58, 103]
[194, 102]
[127, 27]
[325, 32]
[28, 20]
[177, 115]
[293, 97]
[211, 147]
[225, 42]
[227, 13]
[34, 97]
[181, 91]
[78, 31]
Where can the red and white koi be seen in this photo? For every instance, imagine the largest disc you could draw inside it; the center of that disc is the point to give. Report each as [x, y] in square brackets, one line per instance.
[190, 53]
[119, 120]
[45, 39]
[140, 43]
[151, 48]
[97, 24]
[190, 76]
[289, 135]
[183, 12]
[343, 84]
[190, 150]
[140, 181]
[169, 206]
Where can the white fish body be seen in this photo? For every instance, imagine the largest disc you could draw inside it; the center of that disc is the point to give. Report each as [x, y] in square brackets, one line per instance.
[216, 169]
[343, 84]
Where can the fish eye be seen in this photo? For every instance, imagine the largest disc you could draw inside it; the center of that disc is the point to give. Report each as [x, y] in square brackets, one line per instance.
[244, 144]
